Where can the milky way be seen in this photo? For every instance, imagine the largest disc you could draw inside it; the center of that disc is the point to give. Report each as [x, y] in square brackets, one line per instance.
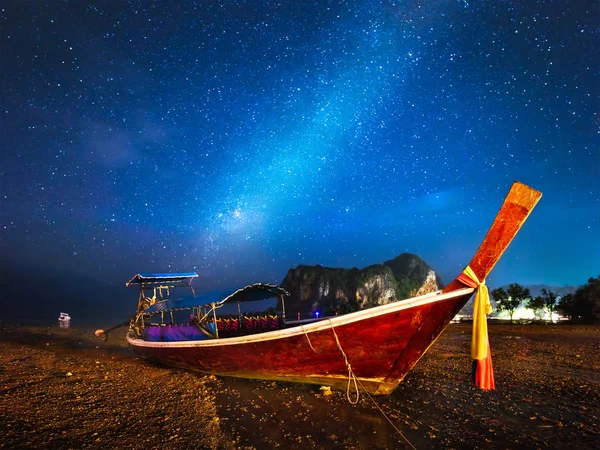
[239, 139]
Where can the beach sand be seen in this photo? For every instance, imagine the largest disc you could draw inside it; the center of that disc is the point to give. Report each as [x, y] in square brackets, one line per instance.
[64, 389]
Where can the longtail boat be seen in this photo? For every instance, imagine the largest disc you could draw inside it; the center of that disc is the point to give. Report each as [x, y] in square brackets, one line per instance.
[223, 334]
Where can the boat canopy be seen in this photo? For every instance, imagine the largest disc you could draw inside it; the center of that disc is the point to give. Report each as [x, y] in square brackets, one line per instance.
[143, 279]
[253, 292]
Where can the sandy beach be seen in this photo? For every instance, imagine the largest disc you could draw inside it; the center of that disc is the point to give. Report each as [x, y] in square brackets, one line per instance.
[64, 389]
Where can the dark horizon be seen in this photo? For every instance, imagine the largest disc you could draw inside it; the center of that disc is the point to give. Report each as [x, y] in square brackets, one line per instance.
[32, 297]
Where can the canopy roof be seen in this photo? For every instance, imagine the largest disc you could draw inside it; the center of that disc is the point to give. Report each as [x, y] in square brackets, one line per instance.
[161, 278]
[253, 292]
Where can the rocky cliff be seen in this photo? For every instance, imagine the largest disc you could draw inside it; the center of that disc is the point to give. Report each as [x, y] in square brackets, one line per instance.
[338, 291]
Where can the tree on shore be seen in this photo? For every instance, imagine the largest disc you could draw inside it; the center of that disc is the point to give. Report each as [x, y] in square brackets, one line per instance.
[509, 300]
[550, 302]
[566, 306]
[537, 306]
[501, 298]
[584, 305]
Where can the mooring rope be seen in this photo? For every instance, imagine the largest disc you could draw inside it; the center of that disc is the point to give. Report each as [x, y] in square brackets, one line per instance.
[357, 382]
[308, 339]
[351, 376]
[387, 418]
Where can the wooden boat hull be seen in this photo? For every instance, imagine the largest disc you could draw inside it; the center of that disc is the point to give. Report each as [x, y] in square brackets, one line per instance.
[382, 344]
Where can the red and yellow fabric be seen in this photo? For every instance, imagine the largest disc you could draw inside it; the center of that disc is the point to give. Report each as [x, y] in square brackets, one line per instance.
[483, 373]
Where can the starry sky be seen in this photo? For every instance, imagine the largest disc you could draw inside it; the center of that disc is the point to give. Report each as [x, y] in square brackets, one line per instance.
[239, 139]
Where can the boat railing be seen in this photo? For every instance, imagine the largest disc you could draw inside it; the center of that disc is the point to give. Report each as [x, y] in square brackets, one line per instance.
[223, 327]
[233, 326]
[293, 323]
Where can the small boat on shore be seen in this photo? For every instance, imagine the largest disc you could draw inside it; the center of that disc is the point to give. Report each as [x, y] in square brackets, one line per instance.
[64, 320]
[246, 333]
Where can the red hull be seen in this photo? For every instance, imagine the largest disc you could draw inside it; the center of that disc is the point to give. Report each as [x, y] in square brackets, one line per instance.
[382, 345]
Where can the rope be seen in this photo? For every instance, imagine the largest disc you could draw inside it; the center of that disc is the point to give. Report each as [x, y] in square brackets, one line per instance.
[217, 306]
[308, 339]
[387, 418]
[351, 376]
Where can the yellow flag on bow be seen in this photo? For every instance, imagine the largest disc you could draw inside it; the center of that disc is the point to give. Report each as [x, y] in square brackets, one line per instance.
[483, 374]
[481, 308]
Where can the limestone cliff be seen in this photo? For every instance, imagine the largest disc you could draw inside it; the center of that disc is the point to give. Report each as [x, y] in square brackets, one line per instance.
[338, 291]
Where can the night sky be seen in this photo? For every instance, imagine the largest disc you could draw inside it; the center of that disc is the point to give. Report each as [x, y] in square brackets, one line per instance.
[240, 139]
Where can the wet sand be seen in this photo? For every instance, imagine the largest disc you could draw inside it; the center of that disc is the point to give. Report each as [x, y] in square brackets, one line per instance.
[63, 389]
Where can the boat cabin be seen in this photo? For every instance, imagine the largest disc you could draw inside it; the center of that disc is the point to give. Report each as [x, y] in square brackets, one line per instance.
[160, 316]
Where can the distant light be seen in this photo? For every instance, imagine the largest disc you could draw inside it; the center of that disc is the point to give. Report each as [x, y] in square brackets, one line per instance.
[317, 314]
